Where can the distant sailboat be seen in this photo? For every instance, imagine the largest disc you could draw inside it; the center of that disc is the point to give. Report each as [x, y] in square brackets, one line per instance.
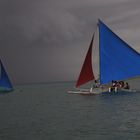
[117, 61]
[5, 83]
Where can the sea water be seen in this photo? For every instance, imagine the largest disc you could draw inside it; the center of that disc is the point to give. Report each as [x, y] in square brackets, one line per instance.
[48, 112]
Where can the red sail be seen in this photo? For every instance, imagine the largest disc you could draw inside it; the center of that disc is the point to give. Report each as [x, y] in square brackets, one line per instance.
[86, 73]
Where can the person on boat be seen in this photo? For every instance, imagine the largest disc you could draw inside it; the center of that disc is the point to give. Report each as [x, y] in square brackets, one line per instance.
[91, 90]
[96, 84]
[113, 83]
[126, 86]
[114, 86]
[121, 84]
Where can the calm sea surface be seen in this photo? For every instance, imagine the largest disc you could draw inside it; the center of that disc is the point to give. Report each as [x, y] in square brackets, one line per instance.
[48, 112]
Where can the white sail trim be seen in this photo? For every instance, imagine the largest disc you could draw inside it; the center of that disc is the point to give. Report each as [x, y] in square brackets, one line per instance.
[95, 54]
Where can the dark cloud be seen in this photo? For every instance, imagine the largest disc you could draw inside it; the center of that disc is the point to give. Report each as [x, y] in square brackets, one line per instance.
[45, 40]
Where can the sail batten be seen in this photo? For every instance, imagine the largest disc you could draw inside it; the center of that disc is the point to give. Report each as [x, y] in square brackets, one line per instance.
[86, 73]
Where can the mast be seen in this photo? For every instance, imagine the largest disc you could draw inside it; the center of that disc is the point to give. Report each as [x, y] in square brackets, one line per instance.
[99, 52]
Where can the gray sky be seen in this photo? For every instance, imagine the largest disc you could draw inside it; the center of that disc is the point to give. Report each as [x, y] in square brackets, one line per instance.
[46, 40]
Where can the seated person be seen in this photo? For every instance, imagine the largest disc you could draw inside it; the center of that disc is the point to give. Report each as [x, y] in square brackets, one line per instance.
[126, 86]
[121, 84]
[96, 84]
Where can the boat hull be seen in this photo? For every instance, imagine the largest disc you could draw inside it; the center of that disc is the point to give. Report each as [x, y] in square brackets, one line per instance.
[3, 90]
[97, 91]
[88, 92]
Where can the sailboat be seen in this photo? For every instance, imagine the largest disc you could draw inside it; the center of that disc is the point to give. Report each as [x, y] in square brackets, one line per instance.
[117, 61]
[5, 83]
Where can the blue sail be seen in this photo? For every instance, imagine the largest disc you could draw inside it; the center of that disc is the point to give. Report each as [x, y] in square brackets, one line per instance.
[5, 83]
[118, 61]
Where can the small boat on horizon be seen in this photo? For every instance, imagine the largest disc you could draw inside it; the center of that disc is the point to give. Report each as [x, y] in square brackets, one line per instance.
[5, 83]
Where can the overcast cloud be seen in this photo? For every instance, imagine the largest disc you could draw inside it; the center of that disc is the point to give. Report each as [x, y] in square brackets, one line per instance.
[46, 40]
